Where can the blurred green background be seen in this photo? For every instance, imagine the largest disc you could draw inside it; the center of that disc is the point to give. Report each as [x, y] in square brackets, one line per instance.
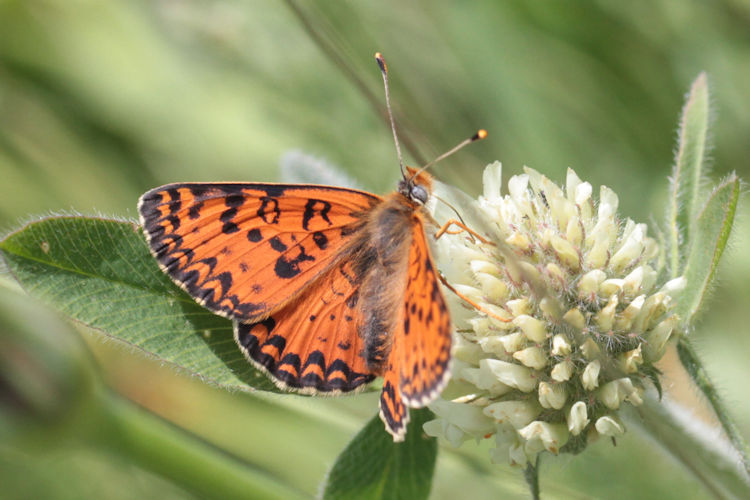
[100, 101]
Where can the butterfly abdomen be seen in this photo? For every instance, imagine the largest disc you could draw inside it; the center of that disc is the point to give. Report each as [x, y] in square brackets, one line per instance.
[384, 262]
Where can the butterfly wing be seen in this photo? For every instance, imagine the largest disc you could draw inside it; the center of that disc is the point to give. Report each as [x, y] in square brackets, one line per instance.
[426, 340]
[244, 250]
[312, 344]
[417, 369]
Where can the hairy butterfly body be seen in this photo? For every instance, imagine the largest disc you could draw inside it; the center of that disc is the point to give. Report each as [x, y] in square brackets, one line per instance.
[328, 287]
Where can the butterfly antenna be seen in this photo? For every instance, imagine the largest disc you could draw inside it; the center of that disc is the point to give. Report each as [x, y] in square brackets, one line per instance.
[481, 134]
[384, 71]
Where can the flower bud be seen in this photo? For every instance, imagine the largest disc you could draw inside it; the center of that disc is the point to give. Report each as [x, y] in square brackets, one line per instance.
[632, 360]
[562, 371]
[552, 436]
[590, 377]
[590, 350]
[516, 413]
[517, 376]
[577, 418]
[533, 357]
[566, 252]
[518, 307]
[612, 394]
[574, 317]
[560, 345]
[552, 395]
[493, 288]
[609, 426]
[605, 318]
[531, 327]
[590, 282]
[513, 342]
[657, 338]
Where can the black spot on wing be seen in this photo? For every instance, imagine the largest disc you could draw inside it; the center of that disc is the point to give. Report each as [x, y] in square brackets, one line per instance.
[199, 192]
[287, 268]
[175, 201]
[174, 221]
[273, 190]
[226, 217]
[320, 240]
[269, 210]
[195, 210]
[254, 235]
[234, 200]
[277, 244]
[315, 207]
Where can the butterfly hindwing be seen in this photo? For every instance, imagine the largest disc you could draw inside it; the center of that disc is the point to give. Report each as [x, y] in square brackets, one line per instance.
[244, 250]
[312, 344]
[393, 410]
[425, 343]
[417, 368]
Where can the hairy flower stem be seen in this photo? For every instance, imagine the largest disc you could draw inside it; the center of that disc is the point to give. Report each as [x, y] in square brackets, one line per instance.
[698, 373]
[693, 444]
[531, 474]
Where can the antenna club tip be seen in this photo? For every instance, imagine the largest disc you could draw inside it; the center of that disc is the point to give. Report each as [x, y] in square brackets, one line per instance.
[481, 134]
[381, 62]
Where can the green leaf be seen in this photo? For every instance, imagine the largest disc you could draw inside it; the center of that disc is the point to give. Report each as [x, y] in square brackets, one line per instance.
[100, 273]
[687, 174]
[711, 232]
[374, 467]
[693, 365]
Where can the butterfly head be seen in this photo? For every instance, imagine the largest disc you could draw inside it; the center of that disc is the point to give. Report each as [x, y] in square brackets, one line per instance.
[416, 186]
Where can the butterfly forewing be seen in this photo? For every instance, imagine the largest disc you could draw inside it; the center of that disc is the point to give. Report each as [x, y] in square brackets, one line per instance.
[244, 250]
[312, 343]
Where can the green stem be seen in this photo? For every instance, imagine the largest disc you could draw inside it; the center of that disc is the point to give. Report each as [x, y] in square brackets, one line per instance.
[698, 373]
[531, 474]
[692, 443]
[183, 458]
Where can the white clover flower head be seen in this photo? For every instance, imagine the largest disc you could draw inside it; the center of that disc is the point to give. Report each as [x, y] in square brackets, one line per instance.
[567, 316]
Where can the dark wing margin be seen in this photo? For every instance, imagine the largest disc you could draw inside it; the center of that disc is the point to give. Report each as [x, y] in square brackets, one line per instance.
[312, 344]
[243, 250]
[393, 410]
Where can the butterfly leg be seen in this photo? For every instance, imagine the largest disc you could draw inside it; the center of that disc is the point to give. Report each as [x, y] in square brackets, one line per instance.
[471, 302]
[444, 229]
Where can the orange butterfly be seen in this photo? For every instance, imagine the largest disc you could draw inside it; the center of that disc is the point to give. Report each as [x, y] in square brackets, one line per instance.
[328, 287]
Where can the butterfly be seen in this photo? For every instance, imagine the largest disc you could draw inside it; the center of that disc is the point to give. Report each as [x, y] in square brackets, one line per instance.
[328, 287]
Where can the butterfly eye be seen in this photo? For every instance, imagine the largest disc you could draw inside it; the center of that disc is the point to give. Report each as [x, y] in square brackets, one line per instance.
[418, 193]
